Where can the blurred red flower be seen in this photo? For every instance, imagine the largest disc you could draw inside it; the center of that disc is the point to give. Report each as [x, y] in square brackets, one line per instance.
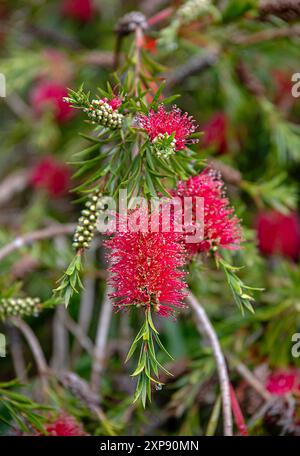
[279, 234]
[282, 382]
[48, 95]
[51, 176]
[283, 84]
[215, 133]
[80, 10]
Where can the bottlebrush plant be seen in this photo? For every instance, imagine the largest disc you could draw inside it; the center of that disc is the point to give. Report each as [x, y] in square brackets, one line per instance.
[164, 274]
[144, 147]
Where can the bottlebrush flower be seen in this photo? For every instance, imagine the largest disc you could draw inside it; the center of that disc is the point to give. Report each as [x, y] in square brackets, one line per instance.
[64, 425]
[79, 10]
[47, 95]
[105, 112]
[51, 176]
[145, 271]
[168, 131]
[215, 132]
[279, 234]
[281, 382]
[221, 227]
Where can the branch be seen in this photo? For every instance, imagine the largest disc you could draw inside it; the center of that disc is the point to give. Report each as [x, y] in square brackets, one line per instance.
[14, 183]
[54, 36]
[194, 65]
[205, 328]
[45, 233]
[60, 343]
[230, 175]
[285, 9]
[267, 35]
[250, 378]
[80, 389]
[85, 315]
[83, 340]
[35, 347]
[103, 59]
[101, 341]
[17, 353]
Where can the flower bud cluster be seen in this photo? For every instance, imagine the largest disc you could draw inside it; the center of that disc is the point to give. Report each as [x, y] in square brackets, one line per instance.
[87, 222]
[102, 113]
[19, 307]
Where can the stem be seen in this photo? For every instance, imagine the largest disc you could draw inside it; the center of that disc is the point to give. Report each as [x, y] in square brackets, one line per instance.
[86, 305]
[17, 353]
[139, 38]
[161, 16]
[60, 356]
[45, 233]
[101, 341]
[205, 327]
[35, 347]
[83, 340]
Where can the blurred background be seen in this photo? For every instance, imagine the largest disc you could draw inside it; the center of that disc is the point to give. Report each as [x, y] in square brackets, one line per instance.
[232, 63]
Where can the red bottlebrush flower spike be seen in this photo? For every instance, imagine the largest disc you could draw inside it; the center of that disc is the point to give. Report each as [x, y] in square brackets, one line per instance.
[64, 425]
[279, 234]
[165, 128]
[221, 227]
[215, 132]
[281, 382]
[51, 176]
[49, 95]
[146, 271]
[79, 10]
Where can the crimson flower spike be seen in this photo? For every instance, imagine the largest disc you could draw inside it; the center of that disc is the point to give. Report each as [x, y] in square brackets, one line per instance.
[168, 131]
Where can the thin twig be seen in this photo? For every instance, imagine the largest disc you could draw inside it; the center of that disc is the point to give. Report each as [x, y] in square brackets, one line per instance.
[17, 353]
[150, 8]
[35, 347]
[80, 389]
[101, 341]
[104, 59]
[86, 303]
[205, 327]
[83, 340]
[266, 35]
[45, 233]
[18, 106]
[195, 65]
[249, 377]
[14, 183]
[139, 37]
[60, 352]
[54, 36]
